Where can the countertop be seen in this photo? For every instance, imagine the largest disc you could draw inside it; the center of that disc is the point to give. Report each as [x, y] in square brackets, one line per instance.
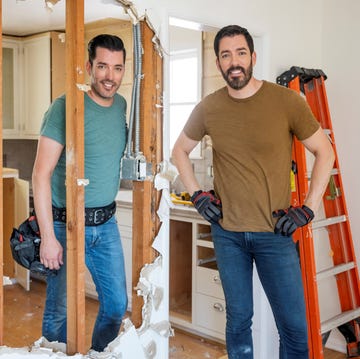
[124, 200]
[10, 172]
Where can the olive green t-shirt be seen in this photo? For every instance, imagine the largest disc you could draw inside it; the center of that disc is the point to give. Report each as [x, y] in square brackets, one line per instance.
[251, 143]
[105, 135]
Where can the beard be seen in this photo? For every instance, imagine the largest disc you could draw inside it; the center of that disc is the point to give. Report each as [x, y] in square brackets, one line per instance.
[237, 83]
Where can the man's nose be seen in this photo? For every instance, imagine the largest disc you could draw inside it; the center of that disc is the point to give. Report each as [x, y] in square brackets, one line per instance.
[110, 73]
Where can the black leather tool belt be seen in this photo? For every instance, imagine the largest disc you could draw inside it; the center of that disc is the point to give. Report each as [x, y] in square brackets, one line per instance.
[93, 216]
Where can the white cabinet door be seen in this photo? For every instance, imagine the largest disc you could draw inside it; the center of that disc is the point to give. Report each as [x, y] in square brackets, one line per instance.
[37, 82]
[11, 87]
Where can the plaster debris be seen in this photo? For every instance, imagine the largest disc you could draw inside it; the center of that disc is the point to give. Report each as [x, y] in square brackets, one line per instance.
[7, 281]
[83, 87]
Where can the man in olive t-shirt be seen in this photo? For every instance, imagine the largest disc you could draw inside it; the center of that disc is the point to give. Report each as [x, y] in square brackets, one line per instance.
[251, 124]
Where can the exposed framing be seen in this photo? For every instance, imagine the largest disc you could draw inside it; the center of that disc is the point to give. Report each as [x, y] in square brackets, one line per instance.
[145, 197]
[1, 198]
[75, 194]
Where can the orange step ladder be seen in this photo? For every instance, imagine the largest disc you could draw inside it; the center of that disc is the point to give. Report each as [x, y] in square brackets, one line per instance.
[335, 224]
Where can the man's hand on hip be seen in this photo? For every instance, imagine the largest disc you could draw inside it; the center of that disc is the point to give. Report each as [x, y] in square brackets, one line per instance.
[208, 205]
[292, 218]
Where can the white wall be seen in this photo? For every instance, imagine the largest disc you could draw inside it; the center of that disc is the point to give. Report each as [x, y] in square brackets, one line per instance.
[341, 54]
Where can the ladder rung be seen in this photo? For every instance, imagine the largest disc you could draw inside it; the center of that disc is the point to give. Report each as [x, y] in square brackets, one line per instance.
[326, 273]
[342, 318]
[328, 221]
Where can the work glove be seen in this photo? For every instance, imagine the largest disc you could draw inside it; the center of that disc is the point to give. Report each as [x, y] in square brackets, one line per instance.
[207, 205]
[292, 218]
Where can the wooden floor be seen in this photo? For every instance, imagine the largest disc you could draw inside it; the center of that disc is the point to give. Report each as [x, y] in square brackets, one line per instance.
[22, 326]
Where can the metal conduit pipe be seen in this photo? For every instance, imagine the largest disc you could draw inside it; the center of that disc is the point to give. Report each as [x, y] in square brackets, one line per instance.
[138, 45]
[132, 108]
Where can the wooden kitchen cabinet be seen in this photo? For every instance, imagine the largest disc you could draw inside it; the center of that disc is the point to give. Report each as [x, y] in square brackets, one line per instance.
[15, 211]
[35, 68]
[196, 297]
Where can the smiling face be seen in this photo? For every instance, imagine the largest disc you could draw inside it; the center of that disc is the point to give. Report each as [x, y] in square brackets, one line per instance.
[106, 73]
[235, 62]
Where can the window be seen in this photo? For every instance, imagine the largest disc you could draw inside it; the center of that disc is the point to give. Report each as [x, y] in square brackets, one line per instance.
[185, 85]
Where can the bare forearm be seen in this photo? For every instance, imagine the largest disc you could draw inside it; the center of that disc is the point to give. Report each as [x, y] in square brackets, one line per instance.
[319, 179]
[180, 156]
[42, 203]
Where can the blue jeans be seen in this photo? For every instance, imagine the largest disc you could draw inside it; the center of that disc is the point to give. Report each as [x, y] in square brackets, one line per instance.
[278, 266]
[105, 261]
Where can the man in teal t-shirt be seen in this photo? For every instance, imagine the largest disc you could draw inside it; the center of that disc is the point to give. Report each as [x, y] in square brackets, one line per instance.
[105, 140]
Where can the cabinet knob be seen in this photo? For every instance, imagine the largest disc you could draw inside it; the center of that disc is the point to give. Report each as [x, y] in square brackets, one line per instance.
[217, 279]
[219, 307]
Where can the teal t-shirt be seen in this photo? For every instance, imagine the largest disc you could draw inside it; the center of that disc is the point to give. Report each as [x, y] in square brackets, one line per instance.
[105, 134]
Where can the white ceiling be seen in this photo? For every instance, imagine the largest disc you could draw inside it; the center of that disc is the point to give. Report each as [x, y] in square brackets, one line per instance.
[24, 17]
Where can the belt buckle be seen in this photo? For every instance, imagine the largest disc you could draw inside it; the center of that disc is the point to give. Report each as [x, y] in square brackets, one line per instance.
[98, 216]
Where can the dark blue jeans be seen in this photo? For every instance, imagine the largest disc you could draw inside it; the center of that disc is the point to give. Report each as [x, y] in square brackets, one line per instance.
[278, 266]
[104, 259]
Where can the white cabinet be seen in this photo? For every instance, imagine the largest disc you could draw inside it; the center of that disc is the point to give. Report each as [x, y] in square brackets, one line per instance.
[30, 64]
[208, 296]
[196, 296]
[37, 82]
[12, 75]
[124, 218]
[196, 300]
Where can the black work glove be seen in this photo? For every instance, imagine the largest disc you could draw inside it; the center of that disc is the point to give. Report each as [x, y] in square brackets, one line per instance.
[292, 218]
[207, 205]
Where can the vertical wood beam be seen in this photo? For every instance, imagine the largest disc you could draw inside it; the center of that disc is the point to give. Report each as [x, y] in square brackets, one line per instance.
[1, 198]
[145, 197]
[75, 171]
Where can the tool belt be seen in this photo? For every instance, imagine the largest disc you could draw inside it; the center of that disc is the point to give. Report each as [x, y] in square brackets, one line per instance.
[93, 216]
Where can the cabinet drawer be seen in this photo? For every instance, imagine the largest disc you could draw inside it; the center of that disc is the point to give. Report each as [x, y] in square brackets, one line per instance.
[208, 282]
[210, 313]
[124, 217]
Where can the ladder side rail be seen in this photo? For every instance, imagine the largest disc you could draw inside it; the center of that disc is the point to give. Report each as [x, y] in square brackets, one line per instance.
[334, 204]
[306, 248]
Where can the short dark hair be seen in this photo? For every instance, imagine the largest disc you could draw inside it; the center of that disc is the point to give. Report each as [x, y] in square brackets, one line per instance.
[110, 42]
[230, 31]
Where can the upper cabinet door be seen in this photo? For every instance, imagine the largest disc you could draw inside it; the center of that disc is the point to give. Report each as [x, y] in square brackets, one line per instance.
[11, 89]
[37, 82]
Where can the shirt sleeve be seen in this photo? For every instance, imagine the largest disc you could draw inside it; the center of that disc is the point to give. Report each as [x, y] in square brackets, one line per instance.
[194, 127]
[303, 122]
[53, 125]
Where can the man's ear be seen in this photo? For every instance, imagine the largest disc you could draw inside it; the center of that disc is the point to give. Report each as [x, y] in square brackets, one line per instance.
[88, 67]
[217, 64]
[253, 57]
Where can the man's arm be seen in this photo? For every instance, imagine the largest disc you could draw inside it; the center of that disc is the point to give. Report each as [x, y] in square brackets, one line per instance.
[319, 145]
[206, 203]
[48, 154]
[293, 217]
[180, 155]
